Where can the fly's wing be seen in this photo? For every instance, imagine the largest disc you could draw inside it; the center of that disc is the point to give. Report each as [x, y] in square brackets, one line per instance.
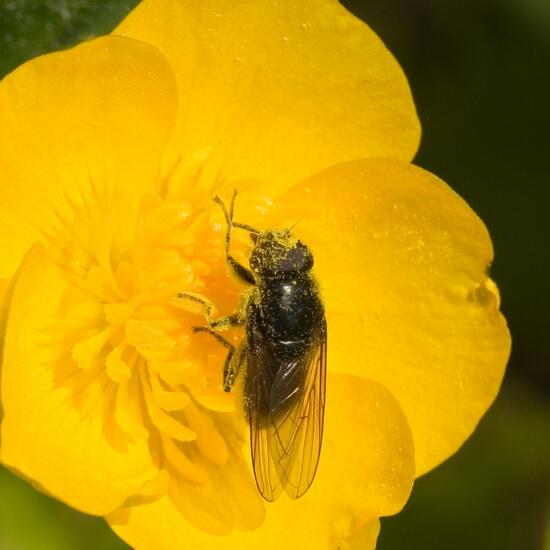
[258, 388]
[296, 435]
[286, 434]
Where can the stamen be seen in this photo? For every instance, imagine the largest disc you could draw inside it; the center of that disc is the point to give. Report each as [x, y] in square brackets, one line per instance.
[127, 416]
[85, 351]
[132, 354]
[163, 421]
[171, 400]
[99, 282]
[157, 486]
[118, 313]
[175, 373]
[167, 400]
[209, 441]
[117, 369]
[181, 463]
[150, 341]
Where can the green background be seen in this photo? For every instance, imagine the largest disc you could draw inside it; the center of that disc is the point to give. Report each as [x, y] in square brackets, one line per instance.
[480, 73]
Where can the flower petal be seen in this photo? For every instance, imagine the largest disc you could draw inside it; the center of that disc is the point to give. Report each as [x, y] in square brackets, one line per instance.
[90, 121]
[4, 305]
[402, 262]
[366, 470]
[277, 91]
[65, 445]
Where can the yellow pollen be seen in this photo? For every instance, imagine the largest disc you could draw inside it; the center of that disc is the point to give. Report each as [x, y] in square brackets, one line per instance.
[147, 339]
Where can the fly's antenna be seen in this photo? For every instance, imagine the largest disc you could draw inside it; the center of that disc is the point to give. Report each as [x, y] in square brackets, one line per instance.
[293, 226]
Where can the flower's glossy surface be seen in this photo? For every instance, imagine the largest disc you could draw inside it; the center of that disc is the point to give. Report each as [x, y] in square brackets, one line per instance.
[110, 154]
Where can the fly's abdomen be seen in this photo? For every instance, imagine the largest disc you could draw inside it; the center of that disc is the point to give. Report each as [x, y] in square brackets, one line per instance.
[288, 382]
[283, 320]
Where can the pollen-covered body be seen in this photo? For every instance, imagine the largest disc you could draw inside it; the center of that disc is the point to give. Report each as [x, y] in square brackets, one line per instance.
[283, 315]
[284, 352]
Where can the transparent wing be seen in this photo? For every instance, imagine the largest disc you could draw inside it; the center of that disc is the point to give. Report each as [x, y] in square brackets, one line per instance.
[257, 397]
[286, 439]
[296, 436]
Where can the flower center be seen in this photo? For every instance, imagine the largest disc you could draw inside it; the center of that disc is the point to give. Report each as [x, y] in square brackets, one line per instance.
[123, 334]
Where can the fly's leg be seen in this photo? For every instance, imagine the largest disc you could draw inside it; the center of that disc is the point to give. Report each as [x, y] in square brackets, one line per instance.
[240, 270]
[222, 323]
[223, 341]
[207, 305]
[234, 358]
[226, 322]
[232, 367]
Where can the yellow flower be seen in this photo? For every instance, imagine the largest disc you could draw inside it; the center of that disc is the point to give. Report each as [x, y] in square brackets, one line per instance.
[110, 154]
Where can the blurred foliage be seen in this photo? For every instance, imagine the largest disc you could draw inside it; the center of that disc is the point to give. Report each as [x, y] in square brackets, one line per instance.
[493, 494]
[32, 27]
[479, 74]
[32, 521]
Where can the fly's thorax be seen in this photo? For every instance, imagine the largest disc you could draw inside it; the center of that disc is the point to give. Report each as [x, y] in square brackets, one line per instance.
[289, 307]
[279, 254]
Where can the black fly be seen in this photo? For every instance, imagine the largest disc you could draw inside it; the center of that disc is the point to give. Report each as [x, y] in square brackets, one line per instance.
[285, 353]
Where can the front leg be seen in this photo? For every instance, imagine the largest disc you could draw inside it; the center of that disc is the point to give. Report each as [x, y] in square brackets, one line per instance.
[242, 272]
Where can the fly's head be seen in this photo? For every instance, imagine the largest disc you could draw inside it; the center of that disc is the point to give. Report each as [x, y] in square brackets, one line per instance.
[278, 253]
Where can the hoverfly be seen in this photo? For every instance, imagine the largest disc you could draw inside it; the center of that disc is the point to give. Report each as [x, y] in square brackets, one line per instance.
[285, 353]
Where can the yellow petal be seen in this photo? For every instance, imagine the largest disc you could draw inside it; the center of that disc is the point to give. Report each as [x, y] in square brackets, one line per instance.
[79, 126]
[402, 263]
[366, 470]
[5, 293]
[67, 448]
[277, 91]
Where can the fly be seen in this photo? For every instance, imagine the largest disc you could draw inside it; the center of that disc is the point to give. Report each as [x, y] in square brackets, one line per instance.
[285, 354]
